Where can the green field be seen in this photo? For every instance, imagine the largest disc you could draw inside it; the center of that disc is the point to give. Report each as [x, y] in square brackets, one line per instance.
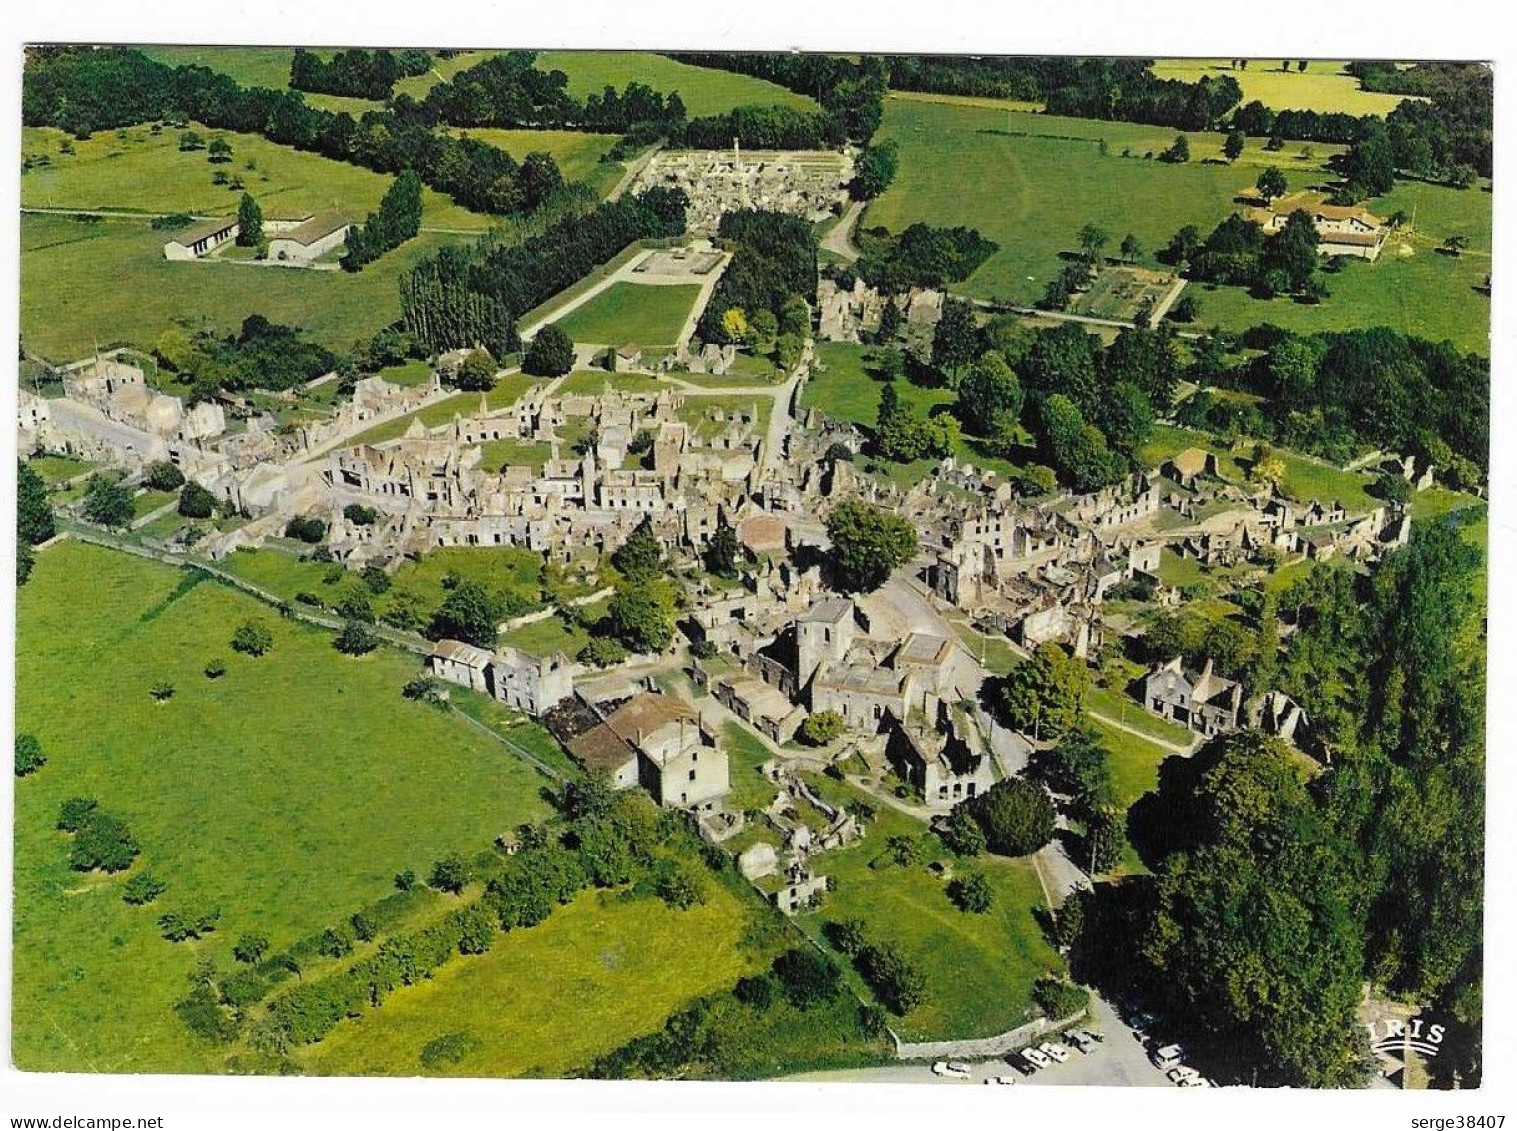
[979, 969]
[287, 793]
[745, 754]
[89, 285]
[1322, 86]
[647, 316]
[593, 382]
[134, 170]
[249, 66]
[1115, 705]
[599, 971]
[703, 91]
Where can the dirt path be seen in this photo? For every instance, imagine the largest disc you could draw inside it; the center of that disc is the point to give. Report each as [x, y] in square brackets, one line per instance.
[839, 239]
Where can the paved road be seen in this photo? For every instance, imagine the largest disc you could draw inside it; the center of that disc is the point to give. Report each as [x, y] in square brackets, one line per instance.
[1119, 1061]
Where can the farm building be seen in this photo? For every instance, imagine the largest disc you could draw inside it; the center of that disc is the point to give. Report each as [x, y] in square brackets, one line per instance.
[1353, 231]
[311, 239]
[201, 239]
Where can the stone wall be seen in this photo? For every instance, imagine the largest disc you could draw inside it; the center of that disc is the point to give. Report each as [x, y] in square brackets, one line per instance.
[982, 1047]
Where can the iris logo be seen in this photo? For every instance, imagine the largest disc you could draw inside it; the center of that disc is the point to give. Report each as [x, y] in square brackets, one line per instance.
[1393, 1037]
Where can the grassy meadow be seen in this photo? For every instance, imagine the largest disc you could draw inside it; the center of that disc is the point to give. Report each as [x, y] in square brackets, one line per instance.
[598, 972]
[287, 793]
[1030, 181]
[647, 316]
[578, 154]
[85, 285]
[703, 90]
[979, 969]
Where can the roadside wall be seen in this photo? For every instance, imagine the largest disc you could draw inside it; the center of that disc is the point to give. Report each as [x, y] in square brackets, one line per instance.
[981, 1047]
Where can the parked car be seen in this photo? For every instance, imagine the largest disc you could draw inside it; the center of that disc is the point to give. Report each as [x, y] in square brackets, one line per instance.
[1182, 1075]
[1054, 1051]
[1197, 1081]
[1169, 1056]
[1000, 1079]
[1036, 1058]
[951, 1069]
[1081, 1040]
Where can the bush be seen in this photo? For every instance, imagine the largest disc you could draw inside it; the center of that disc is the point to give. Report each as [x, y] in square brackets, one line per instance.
[451, 873]
[847, 935]
[203, 1015]
[1058, 998]
[306, 528]
[972, 893]
[602, 652]
[961, 833]
[334, 943]
[142, 888]
[243, 989]
[807, 978]
[29, 756]
[162, 692]
[425, 689]
[756, 992]
[898, 984]
[356, 639]
[162, 476]
[252, 638]
[1016, 815]
[364, 927]
[821, 728]
[702, 650]
[196, 502]
[177, 926]
[678, 887]
[376, 579]
[405, 881]
[215, 669]
[103, 844]
[360, 515]
[250, 948]
[450, 1048]
[75, 813]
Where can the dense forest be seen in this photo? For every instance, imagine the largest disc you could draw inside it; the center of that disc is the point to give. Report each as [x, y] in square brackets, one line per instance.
[473, 296]
[774, 260]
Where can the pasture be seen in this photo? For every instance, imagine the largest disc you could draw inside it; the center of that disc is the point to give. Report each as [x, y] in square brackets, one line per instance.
[88, 285]
[247, 66]
[544, 1000]
[286, 793]
[136, 170]
[1031, 181]
[979, 969]
[647, 316]
[1323, 86]
[578, 154]
[703, 90]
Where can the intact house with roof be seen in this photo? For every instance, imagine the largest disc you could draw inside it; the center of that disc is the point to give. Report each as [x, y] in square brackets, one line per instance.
[1207, 703]
[310, 239]
[201, 238]
[1341, 230]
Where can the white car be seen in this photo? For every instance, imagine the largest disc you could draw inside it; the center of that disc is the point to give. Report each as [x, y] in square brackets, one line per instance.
[1081, 1040]
[1197, 1081]
[1054, 1051]
[1035, 1058]
[1183, 1075]
[1169, 1056]
[951, 1069]
[1000, 1079]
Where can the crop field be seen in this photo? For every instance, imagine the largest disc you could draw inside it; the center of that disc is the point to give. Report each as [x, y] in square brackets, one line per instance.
[1323, 86]
[1031, 181]
[287, 793]
[979, 969]
[703, 90]
[88, 285]
[596, 973]
[646, 316]
[135, 170]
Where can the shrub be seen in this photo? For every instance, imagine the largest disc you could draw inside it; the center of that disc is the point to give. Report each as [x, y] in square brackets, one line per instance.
[703, 650]
[807, 978]
[821, 728]
[196, 502]
[29, 756]
[215, 669]
[376, 579]
[177, 926]
[450, 1048]
[360, 515]
[142, 888]
[961, 833]
[364, 927]
[356, 639]
[252, 638]
[1058, 998]
[103, 844]
[306, 528]
[602, 652]
[203, 1014]
[678, 887]
[847, 935]
[898, 984]
[75, 813]
[405, 881]
[250, 948]
[163, 476]
[972, 893]
[1017, 816]
[243, 989]
[162, 692]
[451, 873]
[334, 943]
[756, 992]
[425, 689]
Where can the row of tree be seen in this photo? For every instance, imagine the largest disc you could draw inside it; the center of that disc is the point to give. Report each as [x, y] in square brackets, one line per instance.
[84, 90]
[467, 296]
[397, 220]
[356, 73]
